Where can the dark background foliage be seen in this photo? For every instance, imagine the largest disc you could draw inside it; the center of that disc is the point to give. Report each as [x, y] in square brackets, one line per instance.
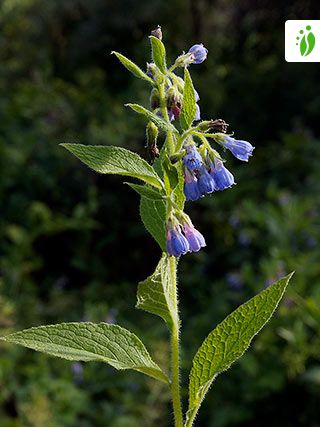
[72, 247]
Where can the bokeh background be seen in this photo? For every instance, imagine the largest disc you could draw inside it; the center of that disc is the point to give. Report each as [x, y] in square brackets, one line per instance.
[72, 247]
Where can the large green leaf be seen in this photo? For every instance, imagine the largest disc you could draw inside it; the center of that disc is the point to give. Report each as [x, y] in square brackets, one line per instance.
[158, 53]
[188, 109]
[100, 342]
[161, 124]
[156, 293]
[115, 160]
[229, 340]
[153, 215]
[132, 67]
[146, 191]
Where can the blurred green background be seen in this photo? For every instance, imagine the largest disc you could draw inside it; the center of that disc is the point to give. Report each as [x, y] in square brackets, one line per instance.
[72, 247]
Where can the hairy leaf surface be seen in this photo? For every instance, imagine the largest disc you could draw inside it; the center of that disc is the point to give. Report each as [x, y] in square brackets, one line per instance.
[158, 121]
[115, 160]
[156, 293]
[153, 215]
[158, 53]
[146, 191]
[133, 68]
[188, 109]
[100, 342]
[229, 340]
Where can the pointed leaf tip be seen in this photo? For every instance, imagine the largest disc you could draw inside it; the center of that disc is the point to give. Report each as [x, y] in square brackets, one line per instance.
[86, 341]
[229, 340]
[115, 160]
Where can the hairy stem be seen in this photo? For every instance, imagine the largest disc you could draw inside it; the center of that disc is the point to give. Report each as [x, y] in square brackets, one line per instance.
[175, 349]
[165, 115]
[175, 362]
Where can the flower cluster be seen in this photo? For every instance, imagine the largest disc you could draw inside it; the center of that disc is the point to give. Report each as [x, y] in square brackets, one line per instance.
[183, 238]
[174, 85]
[204, 170]
[204, 176]
[204, 173]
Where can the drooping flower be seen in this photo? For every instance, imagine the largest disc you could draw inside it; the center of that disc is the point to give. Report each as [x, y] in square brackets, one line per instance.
[197, 115]
[206, 183]
[198, 53]
[191, 189]
[170, 114]
[176, 243]
[195, 238]
[222, 177]
[242, 150]
[192, 160]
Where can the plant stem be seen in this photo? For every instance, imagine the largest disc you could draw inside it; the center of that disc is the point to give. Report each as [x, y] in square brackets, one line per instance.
[175, 362]
[175, 349]
[165, 115]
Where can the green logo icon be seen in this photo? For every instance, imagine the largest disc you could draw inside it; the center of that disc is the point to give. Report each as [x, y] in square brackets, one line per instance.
[306, 40]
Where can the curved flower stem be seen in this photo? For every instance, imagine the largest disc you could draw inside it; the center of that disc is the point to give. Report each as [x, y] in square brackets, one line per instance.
[175, 362]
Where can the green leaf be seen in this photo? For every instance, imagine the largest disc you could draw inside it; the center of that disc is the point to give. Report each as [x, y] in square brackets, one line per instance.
[158, 53]
[153, 215]
[188, 109]
[156, 293]
[100, 342]
[170, 176]
[229, 340]
[132, 67]
[146, 191]
[162, 124]
[115, 160]
[178, 192]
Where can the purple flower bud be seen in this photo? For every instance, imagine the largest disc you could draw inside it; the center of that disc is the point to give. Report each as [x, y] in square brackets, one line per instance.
[195, 238]
[199, 53]
[197, 115]
[197, 97]
[206, 183]
[192, 160]
[170, 114]
[242, 150]
[176, 243]
[222, 177]
[191, 189]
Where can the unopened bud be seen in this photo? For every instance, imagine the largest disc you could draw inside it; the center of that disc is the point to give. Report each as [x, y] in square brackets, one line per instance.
[172, 96]
[217, 125]
[154, 99]
[157, 32]
[152, 70]
[152, 134]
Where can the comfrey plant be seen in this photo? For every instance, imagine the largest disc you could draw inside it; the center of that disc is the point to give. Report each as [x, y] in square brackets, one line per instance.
[185, 168]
